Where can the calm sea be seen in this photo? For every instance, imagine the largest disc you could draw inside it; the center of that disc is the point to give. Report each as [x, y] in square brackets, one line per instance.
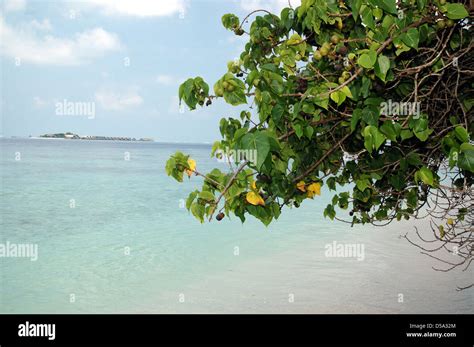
[112, 236]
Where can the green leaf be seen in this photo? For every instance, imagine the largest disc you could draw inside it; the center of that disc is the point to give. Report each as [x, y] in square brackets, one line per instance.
[426, 176]
[261, 213]
[379, 138]
[205, 195]
[362, 184]
[411, 38]
[406, 134]
[320, 7]
[412, 198]
[396, 181]
[371, 115]
[347, 91]
[198, 211]
[320, 97]
[388, 6]
[389, 130]
[338, 97]
[269, 67]
[461, 134]
[259, 142]
[335, 97]
[356, 115]
[277, 113]
[309, 131]
[403, 48]
[369, 143]
[329, 212]
[423, 135]
[466, 157]
[175, 166]
[418, 124]
[413, 159]
[368, 17]
[456, 11]
[421, 4]
[367, 60]
[308, 108]
[468, 103]
[322, 102]
[230, 21]
[186, 93]
[191, 198]
[373, 138]
[294, 39]
[298, 130]
[387, 22]
[235, 98]
[192, 91]
[364, 61]
[382, 67]
[355, 6]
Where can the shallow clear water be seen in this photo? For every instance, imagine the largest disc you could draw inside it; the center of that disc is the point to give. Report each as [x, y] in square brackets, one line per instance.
[175, 264]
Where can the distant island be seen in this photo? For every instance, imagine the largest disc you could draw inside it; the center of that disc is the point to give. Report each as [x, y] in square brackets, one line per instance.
[71, 136]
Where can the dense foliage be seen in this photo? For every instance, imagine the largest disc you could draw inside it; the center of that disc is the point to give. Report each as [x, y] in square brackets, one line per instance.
[372, 98]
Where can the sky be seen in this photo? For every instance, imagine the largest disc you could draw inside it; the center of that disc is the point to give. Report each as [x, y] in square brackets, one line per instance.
[122, 60]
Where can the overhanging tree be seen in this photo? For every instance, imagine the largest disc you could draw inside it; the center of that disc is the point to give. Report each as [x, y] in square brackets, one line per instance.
[372, 98]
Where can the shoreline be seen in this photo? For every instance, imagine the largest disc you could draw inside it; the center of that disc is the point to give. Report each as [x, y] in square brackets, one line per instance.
[202, 144]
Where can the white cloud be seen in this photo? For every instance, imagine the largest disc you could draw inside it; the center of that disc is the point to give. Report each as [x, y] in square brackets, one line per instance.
[25, 43]
[14, 5]
[140, 8]
[118, 100]
[168, 80]
[44, 25]
[274, 6]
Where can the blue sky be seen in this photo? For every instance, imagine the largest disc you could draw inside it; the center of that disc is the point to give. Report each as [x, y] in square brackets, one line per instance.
[127, 57]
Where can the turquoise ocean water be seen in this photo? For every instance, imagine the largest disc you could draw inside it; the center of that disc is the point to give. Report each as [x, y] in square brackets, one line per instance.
[113, 236]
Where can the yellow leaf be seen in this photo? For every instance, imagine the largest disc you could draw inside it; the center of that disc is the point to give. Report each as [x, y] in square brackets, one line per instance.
[450, 221]
[192, 167]
[255, 199]
[314, 189]
[441, 231]
[254, 185]
[301, 186]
